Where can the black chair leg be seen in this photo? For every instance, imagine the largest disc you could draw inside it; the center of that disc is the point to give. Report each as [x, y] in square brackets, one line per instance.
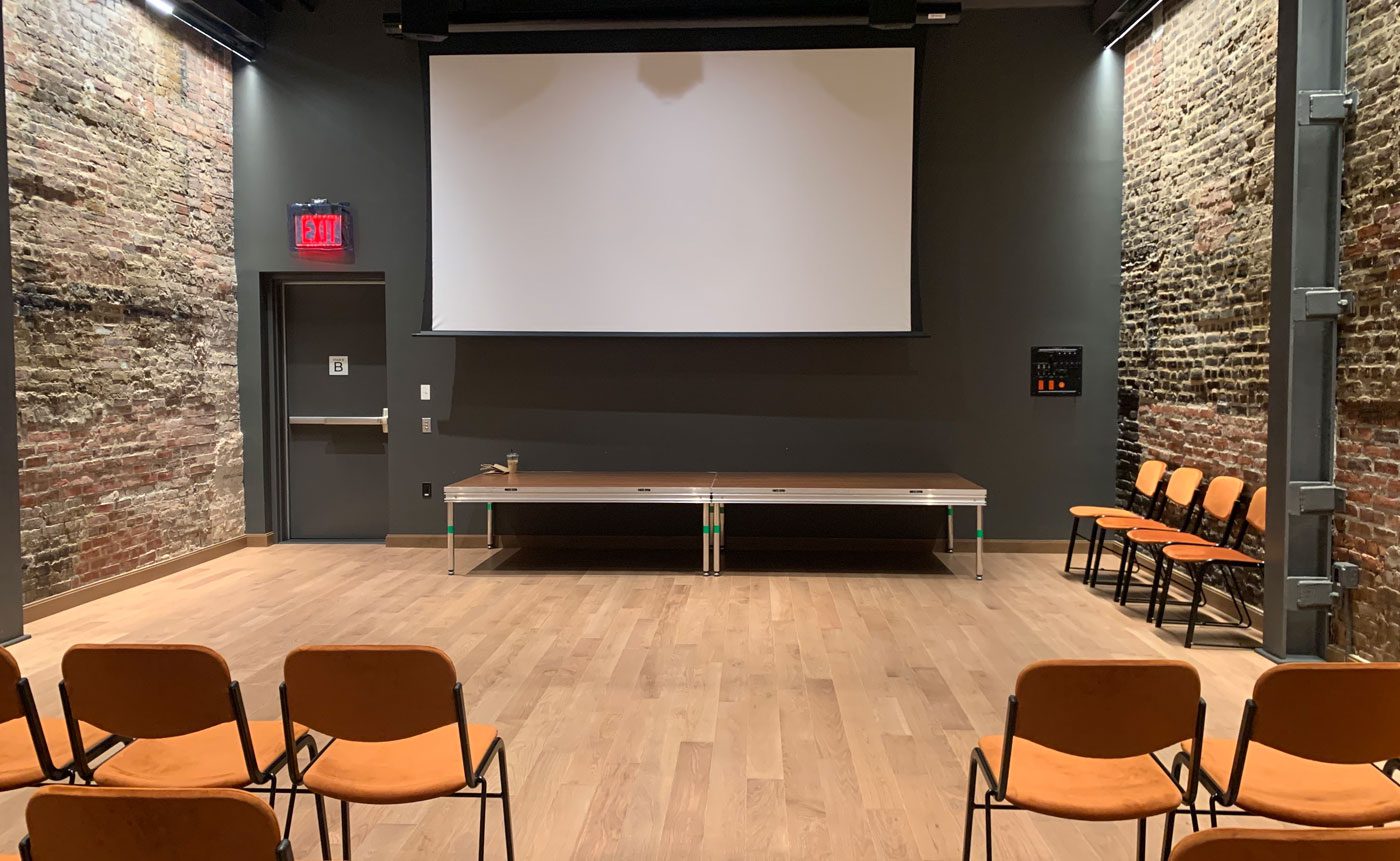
[1089, 553]
[1168, 828]
[1167, 573]
[505, 803]
[1142, 840]
[1198, 583]
[1214, 820]
[323, 827]
[481, 830]
[1073, 534]
[967, 821]
[345, 830]
[987, 801]
[1098, 558]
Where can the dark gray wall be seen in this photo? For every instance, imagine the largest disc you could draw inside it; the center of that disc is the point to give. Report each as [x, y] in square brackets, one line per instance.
[1020, 179]
[11, 582]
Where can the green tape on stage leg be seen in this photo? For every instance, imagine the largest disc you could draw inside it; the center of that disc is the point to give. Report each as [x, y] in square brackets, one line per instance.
[451, 530]
[488, 505]
[980, 533]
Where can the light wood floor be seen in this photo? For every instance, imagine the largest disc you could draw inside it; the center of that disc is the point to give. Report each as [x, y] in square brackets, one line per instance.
[655, 714]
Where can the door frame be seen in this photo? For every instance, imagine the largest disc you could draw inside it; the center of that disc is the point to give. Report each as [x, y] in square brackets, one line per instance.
[275, 429]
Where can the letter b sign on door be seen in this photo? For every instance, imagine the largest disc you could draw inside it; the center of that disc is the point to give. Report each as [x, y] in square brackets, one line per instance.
[340, 366]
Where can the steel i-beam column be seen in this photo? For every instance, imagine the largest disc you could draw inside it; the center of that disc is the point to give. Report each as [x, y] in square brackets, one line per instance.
[1306, 303]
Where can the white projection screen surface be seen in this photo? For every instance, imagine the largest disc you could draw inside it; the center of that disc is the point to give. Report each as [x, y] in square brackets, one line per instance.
[716, 192]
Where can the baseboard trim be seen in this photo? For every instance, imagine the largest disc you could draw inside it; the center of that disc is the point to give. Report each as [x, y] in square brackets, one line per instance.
[261, 539]
[45, 607]
[759, 543]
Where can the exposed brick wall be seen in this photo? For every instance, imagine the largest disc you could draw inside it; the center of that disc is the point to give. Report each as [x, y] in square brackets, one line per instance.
[1193, 371]
[121, 195]
[1368, 448]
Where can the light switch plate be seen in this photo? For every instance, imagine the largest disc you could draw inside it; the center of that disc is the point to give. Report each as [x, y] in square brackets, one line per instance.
[425, 392]
[427, 425]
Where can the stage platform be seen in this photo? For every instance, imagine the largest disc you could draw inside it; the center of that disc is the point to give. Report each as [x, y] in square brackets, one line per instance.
[712, 492]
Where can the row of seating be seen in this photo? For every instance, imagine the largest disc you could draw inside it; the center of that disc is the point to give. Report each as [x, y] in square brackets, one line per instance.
[1318, 746]
[171, 717]
[1176, 522]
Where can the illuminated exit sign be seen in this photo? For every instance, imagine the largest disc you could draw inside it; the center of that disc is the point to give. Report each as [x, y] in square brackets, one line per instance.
[319, 227]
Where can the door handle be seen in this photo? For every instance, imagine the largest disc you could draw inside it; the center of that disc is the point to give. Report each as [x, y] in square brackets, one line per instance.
[380, 421]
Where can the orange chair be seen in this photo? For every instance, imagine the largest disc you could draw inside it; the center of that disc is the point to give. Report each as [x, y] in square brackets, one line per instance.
[1146, 489]
[1217, 514]
[399, 731]
[180, 716]
[1239, 844]
[1081, 742]
[84, 823]
[1307, 746]
[1182, 493]
[1198, 559]
[34, 749]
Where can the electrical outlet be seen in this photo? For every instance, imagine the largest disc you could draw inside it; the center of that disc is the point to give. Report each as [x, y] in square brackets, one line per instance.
[427, 490]
[427, 425]
[425, 392]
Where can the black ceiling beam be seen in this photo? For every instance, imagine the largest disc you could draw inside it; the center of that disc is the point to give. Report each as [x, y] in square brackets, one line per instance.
[428, 21]
[227, 20]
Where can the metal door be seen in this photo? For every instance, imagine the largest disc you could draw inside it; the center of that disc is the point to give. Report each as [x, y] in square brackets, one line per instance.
[335, 384]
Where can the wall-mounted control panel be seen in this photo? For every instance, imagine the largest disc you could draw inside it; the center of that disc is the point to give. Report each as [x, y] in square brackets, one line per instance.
[1057, 371]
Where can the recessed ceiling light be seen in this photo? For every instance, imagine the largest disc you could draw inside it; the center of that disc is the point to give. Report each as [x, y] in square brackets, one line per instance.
[161, 7]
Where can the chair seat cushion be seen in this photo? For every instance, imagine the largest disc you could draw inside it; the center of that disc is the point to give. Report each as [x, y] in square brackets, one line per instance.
[1301, 791]
[209, 759]
[1134, 522]
[1166, 536]
[424, 766]
[1183, 553]
[1046, 781]
[1099, 511]
[19, 764]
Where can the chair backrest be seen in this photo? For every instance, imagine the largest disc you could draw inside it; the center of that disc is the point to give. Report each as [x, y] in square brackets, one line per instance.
[1107, 709]
[1294, 844]
[1182, 486]
[148, 691]
[84, 823]
[1222, 496]
[1256, 516]
[11, 706]
[1338, 713]
[1149, 477]
[371, 693]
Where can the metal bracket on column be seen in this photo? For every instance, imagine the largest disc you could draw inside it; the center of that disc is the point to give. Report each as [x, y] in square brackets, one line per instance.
[1322, 303]
[1307, 497]
[1327, 106]
[1312, 594]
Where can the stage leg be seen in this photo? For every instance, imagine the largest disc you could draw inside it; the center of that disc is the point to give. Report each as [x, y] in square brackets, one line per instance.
[950, 529]
[490, 525]
[704, 538]
[980, 509]
[451, 540]
[718, 536]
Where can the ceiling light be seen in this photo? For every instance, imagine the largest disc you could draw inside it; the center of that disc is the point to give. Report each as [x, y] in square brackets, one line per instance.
[161, 7]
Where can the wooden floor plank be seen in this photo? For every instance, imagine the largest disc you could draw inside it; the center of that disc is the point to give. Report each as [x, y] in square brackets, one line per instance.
[653, 714]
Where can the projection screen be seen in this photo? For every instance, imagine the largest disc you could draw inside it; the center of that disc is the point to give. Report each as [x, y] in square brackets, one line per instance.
[718, 192]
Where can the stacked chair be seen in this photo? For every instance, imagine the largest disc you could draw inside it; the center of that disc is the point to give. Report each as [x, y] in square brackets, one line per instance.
[1217, 513]
[1240, 844]
[1082, 742]
[1179, 525]
[79, 823]
[1200, 558]
[161, 735]
[1147, 488]
[1178, 503]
